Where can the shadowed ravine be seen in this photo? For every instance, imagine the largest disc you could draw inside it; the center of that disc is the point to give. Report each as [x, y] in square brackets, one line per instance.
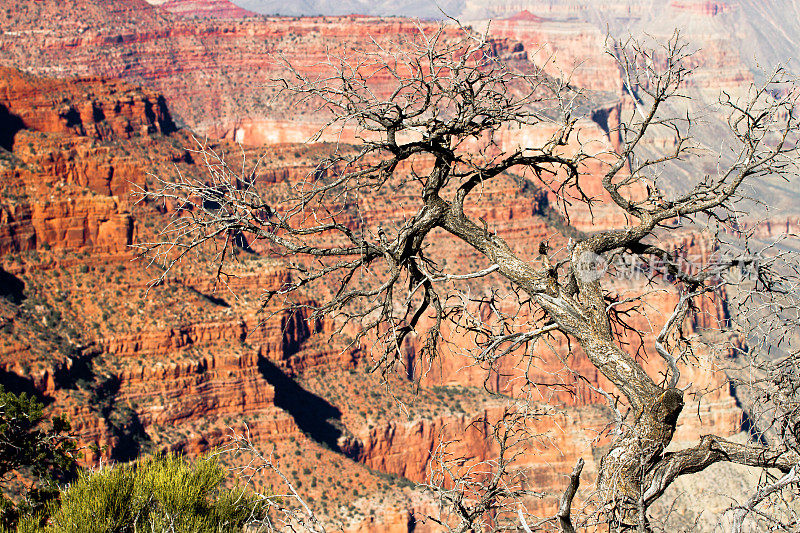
[314, 415]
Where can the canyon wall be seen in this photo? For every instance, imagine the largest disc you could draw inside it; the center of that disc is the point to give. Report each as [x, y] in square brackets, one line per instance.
[215, 73]
[181, 364]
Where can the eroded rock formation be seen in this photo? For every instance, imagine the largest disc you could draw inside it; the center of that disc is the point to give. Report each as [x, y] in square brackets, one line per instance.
[176, 367]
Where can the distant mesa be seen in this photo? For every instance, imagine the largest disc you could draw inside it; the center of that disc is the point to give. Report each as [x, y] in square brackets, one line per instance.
[525, 16]
[221, 9]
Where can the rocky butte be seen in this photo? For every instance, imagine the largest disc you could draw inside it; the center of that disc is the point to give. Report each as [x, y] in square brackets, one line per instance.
[101, 96]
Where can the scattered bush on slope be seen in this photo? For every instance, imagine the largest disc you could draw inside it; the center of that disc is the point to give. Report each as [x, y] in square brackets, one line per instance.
[30, 450]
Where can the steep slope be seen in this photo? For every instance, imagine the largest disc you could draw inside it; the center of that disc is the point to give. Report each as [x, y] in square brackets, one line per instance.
[137, 368]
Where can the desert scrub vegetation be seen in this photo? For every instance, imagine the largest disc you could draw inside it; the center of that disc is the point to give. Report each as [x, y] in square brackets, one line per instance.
[31, 450]
[163, 492]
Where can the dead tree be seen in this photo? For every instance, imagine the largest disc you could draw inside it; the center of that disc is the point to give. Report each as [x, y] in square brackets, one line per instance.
[419, 125]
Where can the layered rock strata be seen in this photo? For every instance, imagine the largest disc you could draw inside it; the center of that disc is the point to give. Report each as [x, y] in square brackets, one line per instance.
[176, 367]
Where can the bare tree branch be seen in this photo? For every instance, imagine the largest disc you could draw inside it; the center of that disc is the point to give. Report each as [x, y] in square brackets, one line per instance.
[565, 506]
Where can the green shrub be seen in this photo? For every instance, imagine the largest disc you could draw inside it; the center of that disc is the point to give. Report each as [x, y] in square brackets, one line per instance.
[159, 493]
[30, 524]
[40, 454]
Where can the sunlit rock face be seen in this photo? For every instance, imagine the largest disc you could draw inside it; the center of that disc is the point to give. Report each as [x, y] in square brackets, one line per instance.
[61, 135]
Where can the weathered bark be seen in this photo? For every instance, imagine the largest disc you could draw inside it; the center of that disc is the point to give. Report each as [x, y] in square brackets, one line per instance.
[633, 454]
[565, 506]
